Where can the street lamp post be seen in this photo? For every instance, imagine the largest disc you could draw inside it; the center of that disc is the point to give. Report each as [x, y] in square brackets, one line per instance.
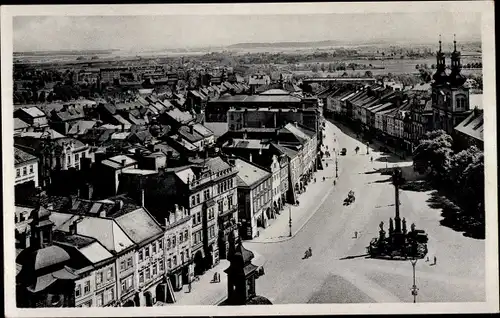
[414, 289]
[367, 148]
[290, 220]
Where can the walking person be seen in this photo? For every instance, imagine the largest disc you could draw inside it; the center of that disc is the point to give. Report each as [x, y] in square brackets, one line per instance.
[355, 234]
[189, 286]
[310, 252]
[435, 260]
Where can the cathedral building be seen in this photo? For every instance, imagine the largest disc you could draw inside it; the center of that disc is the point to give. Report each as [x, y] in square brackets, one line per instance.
[450, 98]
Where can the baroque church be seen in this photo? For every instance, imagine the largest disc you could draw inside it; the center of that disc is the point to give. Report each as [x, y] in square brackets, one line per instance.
[450, 99]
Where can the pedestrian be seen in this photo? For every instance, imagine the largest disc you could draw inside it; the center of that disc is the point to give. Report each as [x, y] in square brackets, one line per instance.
[215, 277]
[435, 260]
[310, 252]
[427, 259]
[334, 182]
[189, 287]
[355, 234]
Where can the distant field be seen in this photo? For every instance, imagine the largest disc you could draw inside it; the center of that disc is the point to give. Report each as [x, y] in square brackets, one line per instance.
[390, 66]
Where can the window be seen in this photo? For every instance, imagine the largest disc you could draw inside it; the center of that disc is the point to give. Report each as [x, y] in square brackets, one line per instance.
[109, 275]
[230, 201]
[31, 169]
[175, 260]
[198, 198]
[155, 270]
[154, 247]
[146, 251]
[129, 262]
[86, 288]
[100, 299]
[182, 257]
[18, 173]
[127, 284]
[187, 254]
[109, 295]
[148, 273]
[77, 158]
[206, 194]
[193, 200]
[173, 241]
[161, 267]
[169, 263]
[160, 244]
[122, 265]
[25, 171]
[168, 244]
[78, 290]
[198, 217]
[98, 278]
[185, 235]
[220, 206]
[141, 277]
[181, 238]
[69, 159]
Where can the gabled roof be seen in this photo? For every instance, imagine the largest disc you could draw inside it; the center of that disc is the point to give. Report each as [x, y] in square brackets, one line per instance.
[185, 174]
[185, 132]
[180, 116]
[81, 127]
[19, 124]
[33, 111]
[202, 130]
[290, 153]
[22, 156]
[300, 131]
[473, 125]
[139, 225]
[249, 174]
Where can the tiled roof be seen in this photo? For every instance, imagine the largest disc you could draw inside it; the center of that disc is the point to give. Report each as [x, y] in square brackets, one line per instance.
[290, 153]
[22, 156]
[19, 124]
[185, 132]
[139, 225]
[259, 98]
[180, 116]
[275, 92]
[185, 175]
[219, 129]
[81, 127]
[300, 131]
[249, 174]
[216, 164]
[116, 162]
[473, 125]
[34, 111]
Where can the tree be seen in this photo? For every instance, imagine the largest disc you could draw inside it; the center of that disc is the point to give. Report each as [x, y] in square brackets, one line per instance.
[323, 68]
[368, 74]
[314, 68]
[433, 155]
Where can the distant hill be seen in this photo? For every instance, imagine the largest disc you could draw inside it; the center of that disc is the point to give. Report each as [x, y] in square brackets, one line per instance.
[284, 44]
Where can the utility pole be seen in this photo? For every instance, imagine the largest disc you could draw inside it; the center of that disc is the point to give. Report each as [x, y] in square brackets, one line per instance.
[290, 220]
[414, 289]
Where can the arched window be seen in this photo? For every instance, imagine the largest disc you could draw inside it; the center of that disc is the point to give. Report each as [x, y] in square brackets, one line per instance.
[460, 103]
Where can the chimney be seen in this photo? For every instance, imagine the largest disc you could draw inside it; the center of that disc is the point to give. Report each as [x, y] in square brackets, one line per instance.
[123, 127]
[72, 228]
[251, 157]
[123, 162]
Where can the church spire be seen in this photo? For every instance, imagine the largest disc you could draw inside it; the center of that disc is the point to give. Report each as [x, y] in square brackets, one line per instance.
[440, 75]
[454, 42]
[456, 78]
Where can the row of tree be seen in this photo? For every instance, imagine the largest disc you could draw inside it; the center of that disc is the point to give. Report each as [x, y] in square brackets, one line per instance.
[477, 65]
[459, 174]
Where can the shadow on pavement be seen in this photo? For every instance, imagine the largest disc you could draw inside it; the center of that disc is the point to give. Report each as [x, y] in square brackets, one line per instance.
[455, 218]
[355, 256]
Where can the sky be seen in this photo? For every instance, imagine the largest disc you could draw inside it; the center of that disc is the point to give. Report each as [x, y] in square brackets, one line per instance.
[136, 33]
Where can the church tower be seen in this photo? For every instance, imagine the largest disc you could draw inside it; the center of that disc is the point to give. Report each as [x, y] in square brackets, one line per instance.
[450, 99]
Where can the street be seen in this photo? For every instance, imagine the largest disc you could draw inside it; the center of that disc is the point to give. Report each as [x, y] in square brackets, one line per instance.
[339, 272]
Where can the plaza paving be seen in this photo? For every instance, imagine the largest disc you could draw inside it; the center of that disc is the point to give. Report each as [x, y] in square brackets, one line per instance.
[323, 223]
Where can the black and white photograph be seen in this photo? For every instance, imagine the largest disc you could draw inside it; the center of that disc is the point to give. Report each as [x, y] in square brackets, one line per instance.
[308, 158]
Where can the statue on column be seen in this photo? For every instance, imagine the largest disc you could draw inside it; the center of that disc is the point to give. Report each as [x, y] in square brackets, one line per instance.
[412, 227]
[404, 226]
[381, 232]
[391, 227]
